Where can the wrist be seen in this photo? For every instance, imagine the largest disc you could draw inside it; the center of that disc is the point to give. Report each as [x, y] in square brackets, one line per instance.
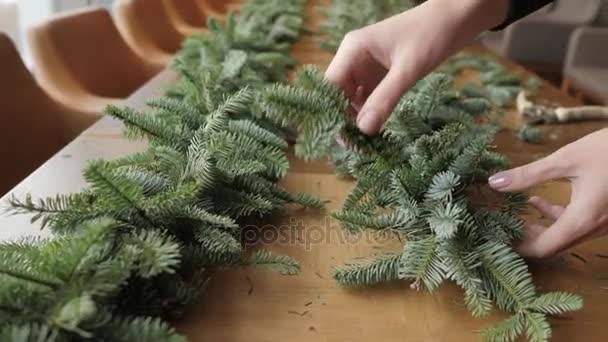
[471, 17]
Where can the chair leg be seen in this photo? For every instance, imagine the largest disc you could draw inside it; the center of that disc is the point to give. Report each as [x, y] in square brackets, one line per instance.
[569, 88]
[566, 85]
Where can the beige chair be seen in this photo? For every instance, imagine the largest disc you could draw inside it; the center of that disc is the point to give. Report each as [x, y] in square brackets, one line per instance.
[542, 39]
[586, 68]
[82, 61]
[34, 127]
[602, 17]
[186, 16]
[147, 28]
[217, 8]
[495, 40]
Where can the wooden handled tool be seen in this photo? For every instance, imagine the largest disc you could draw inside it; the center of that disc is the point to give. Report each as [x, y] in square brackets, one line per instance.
[541, 113]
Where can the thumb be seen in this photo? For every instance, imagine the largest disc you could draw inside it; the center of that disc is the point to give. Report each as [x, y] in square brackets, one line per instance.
[526, 176]
[379, 105]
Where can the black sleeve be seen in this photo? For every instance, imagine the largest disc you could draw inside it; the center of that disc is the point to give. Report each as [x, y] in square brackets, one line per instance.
[519, 9]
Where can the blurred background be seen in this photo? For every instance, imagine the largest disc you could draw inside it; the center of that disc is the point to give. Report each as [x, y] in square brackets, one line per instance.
[17, 15]
[556, 38]
[565, 43]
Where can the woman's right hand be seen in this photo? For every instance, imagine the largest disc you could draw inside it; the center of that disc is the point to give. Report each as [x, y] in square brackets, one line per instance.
[377, 64]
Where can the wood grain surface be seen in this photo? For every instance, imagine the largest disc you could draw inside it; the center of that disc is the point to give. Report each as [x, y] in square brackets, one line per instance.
[255, 305]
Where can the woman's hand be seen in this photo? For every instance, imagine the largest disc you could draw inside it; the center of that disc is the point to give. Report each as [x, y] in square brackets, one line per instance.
[377, 64]
[585, 164]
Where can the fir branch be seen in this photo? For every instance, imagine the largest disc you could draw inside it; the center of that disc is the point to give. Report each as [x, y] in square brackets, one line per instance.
[217, 241]
[307, 200]
[512, 283]
[370, 272]
[556, 303]
[141, 126]
[537, 327]
[443, 186]
[508, 330]
[278, 263]
[118, 188]
[420, 263]
[159, 254]
[529, 134]
[73, 313]
[33, 331]
[140, 329]
[463, 267]
[444, 220]
[50, 210]
[11, 271]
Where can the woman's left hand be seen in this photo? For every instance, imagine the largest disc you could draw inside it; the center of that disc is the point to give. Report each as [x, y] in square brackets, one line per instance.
[585, 165]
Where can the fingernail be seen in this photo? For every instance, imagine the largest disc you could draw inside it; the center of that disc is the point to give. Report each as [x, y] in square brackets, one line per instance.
[499, 180]
[367, 121]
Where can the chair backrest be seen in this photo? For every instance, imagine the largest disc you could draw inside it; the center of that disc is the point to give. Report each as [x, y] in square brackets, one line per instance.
[32, 126]
[212, 8]
[588, 48]
[84, 49]
[602, 17]
[149, 18]
[10, 20]
[188, 11]
[576, 11]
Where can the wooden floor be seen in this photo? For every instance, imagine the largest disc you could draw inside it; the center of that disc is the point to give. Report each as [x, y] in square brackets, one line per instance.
[255, 305]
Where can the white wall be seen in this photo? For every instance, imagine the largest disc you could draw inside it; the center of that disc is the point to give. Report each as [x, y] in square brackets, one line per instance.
[30, 12]
[63, 5]
[9, 22]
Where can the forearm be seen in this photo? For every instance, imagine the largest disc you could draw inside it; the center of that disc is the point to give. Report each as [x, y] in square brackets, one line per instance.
[519, 9]
[442, 27]
[464, 20]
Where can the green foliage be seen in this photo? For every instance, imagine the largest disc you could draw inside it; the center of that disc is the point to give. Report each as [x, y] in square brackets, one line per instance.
[495, 82]
[529, 134]
[281, 263]
[344, 16]
[370, 272]
[135, 247]
[420, 179]
[421, 264]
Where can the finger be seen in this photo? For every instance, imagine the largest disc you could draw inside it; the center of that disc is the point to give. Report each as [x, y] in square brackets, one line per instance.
[340, 70]
[532, 230]
[547, 209]
[567, 229]
[523, 177]
[345, 82]
[357, 101]
[595, 234]
[598, 227]
[383, 100]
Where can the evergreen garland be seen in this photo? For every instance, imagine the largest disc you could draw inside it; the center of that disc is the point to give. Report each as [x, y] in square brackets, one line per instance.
[138, 245]
[344, 16]
[423, 180]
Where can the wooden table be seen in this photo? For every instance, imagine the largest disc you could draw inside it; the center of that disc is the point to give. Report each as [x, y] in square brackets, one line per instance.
[255, 305]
